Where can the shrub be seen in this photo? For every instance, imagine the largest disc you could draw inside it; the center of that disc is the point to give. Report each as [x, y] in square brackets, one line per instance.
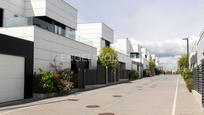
[62, 80]
[146, 73]
[189, 84]
[188, 77]
[134, 74]
[44, 82]
[187, 74]
[75, 80]
[158, 71]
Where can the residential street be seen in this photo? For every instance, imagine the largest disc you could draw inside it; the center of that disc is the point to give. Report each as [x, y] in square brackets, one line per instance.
[161, 95]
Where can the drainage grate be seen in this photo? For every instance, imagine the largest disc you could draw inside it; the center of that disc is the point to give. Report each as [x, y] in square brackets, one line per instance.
[106, 114]
[73, 100]
[92, 106]
[117, 96]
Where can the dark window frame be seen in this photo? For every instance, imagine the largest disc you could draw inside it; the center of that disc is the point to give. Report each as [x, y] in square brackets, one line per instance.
[1, 17]
[135, 55]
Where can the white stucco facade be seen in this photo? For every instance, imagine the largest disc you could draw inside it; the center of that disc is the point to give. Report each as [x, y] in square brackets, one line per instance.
[56, 9]
[47, 45]
[124, 48]
[123, 45]
[96, 33]
[145, 58]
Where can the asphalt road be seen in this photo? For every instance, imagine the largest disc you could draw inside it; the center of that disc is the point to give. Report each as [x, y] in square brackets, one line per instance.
[160, 95]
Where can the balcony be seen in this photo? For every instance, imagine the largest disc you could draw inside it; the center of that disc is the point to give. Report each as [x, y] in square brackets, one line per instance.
[68, 33]
[21, 21]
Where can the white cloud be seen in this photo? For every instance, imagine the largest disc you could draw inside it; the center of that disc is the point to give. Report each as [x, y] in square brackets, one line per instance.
[168, 51]
[169, 47]
[169, 63]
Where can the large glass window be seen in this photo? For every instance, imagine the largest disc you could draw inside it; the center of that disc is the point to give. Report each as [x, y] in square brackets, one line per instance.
[1, 17]
[134, 55]
[50, 25]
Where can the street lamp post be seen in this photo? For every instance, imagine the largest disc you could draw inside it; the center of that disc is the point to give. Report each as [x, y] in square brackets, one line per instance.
[187, 51]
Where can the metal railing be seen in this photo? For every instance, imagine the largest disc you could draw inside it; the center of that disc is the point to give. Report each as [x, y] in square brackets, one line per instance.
[22, 21]
[15, 22]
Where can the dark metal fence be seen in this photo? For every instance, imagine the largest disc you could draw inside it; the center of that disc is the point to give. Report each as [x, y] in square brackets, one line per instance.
[202, 81]
[98, 76]
[198, 80]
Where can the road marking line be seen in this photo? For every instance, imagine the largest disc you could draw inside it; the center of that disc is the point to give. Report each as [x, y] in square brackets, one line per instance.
[175, 97]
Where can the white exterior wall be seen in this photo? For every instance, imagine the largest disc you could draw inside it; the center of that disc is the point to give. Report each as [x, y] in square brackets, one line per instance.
[94, 32]
[25, 33]
[91, 32]
[107, 33]
[134, 67]
[200, 48]
[149, 55]
[58, 10]
[48, 46]
[12, 9]
[144, 52]
[145, 63]
[123, 45]
[125, 59]
[144, 59]
[120, 45]
[137, 48]
[129, 47]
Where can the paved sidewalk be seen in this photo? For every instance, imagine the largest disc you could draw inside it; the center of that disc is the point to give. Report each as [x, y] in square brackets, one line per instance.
[148, 96]
[186, 103]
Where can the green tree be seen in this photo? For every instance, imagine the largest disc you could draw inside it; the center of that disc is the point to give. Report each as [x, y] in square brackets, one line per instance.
[152, 66]
[182, 63]
[109, 59]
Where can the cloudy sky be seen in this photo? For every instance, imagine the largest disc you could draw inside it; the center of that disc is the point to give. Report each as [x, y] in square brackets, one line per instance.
[156, 24]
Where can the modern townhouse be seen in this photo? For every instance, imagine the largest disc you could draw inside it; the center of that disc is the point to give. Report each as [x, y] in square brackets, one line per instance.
[145, 57]
[136, 56]
[35, 33]
[197, 65]
[155, 58]
[99, 35]
[124, 48]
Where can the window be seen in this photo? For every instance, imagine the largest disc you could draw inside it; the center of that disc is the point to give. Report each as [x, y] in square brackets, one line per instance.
[1, 17]
[50, 25]
[107, 44]
[104, 43]
[134, 55]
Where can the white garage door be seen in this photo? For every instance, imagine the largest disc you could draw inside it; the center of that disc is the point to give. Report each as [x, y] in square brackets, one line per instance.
[11, 78]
